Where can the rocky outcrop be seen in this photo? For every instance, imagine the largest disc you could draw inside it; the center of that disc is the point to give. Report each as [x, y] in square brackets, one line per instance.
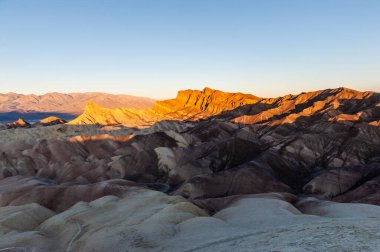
[207, 101]
[49, 121]
[96, 115]
[20, 123]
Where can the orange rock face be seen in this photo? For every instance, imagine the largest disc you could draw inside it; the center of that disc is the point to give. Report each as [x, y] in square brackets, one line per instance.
[188, 105]
[51, 120]
[192, 105]
[20, 123]
[206, 102]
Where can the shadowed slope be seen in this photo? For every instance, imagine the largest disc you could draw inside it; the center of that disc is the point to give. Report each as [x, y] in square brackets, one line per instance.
[332, 104]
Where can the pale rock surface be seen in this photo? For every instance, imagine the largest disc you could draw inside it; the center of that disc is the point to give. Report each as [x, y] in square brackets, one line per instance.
[151, 221]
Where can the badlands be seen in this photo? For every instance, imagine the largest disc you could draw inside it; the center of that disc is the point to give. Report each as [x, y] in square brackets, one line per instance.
[205, 171]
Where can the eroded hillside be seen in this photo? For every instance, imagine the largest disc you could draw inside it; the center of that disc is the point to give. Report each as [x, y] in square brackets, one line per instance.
[202, 171]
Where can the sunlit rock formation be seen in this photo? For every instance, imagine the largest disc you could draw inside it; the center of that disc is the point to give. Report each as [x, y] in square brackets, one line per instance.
[20, 123]
[340, 105]
[188, 105]
[49, 121]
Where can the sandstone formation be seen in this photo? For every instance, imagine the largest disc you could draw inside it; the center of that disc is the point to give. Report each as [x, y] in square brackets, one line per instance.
[20, 123]
[51, 120]
[188, 105]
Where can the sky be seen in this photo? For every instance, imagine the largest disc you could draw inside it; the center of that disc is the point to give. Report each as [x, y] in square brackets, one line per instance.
[155, 48]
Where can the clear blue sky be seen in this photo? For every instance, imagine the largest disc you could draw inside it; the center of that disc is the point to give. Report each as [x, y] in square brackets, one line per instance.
[154, 48]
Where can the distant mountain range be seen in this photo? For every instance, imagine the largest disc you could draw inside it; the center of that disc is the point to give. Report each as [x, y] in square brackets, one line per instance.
[66, 106]
[71, 103]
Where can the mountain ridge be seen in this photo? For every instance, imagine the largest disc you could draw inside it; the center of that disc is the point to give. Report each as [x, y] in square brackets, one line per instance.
[73, 103]
[193, 105]
[188, 105]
